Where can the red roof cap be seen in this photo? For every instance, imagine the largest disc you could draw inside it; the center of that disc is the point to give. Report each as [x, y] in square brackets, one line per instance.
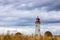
[38, 20]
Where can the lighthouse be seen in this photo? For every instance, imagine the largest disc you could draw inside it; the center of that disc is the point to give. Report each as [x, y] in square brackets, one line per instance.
[37, 28]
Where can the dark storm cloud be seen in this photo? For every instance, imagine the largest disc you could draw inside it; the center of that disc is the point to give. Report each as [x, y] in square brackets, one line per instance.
[53, 5]
[31, 4]
[12, 21]
[50, 22]
[20, 8]
[50, 5]
[25, 22]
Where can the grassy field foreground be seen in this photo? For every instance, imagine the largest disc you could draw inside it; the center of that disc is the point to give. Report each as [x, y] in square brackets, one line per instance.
[19, 36]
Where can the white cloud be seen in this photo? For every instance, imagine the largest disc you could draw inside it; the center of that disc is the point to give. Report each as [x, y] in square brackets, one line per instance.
[53, 28]
[9, 14]
[10, 10]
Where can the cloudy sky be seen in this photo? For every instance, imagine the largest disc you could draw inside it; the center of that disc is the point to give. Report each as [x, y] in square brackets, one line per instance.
[22, 14]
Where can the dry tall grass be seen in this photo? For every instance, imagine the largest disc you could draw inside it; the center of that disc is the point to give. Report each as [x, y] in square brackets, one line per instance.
[19, 36]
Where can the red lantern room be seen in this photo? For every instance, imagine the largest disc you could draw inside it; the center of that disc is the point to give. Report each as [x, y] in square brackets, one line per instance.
[37, 20]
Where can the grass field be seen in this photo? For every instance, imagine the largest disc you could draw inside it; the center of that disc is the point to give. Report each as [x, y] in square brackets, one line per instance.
[19, 36]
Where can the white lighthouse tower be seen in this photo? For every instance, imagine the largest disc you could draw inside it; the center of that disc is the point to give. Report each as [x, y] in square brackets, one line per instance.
[37, 28]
